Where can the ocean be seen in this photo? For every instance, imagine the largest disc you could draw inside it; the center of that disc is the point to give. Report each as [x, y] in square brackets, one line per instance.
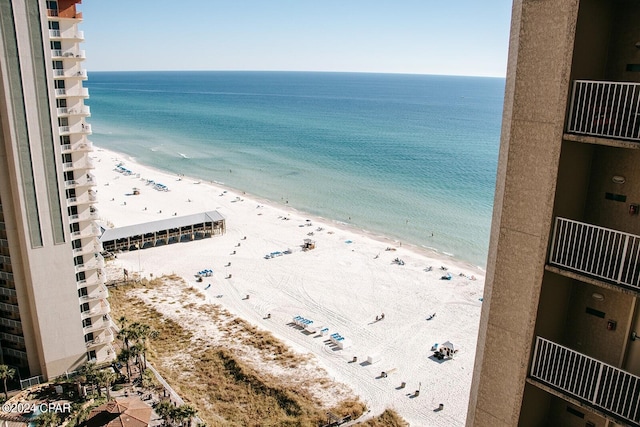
[410, 157]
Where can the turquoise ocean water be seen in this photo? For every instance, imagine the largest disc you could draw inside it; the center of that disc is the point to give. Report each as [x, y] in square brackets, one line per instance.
[398, 155]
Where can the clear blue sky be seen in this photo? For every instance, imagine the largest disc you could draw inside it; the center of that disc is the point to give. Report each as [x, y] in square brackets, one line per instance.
[456, 37]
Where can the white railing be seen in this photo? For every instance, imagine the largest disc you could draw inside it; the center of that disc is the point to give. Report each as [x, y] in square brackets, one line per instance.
[56, 53]
[73, 54]
[601, 385]
[10, 323]
[596, 251]
[54, 33]
[61, 92]
[8, 291]
[81, 72]
[80, 92]
[91, 246]
[606, 109]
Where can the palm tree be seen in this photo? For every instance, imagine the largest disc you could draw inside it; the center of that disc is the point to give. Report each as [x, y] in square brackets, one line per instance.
[148, 380]
[105, 378]
[125, 357]
[136, 351]
[124, 334]
[165, 410]
[143, 332]
[89, 371]
[6, 372]
[185, 412]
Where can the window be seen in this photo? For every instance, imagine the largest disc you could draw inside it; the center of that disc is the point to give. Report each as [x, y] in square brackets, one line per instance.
[75, 227]
[79, 277]
[53, 25]
[76, 244]
[68, 176]
[52, 5]
[58, 84]
[61, 103]
[64, 140]
[79, 260]
[56, 45]
[88, 337]
[66, 158]
[57, 65]
[86, 322]
[63, 121]
[84, 307]
[91, 355]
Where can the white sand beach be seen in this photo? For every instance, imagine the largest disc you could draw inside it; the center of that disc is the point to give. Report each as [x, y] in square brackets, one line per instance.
[342, 284]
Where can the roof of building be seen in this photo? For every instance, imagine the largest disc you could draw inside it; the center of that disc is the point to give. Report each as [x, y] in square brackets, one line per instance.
[163, 224]
[121, 412]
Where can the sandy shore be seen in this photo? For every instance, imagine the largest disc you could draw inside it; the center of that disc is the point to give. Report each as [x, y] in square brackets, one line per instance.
[343, 284]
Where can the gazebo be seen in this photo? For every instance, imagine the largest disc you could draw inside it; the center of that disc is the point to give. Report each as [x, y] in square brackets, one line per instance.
[121, 412]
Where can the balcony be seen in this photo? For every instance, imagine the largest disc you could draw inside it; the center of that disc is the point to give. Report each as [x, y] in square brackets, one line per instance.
[12, 338]
[91, 231]
[92, 279]
[97, 326]
[599, 252]
[603, 386]
[77, 111]
[68, 54]
[9, 307]
[83, 181]
[82, 92]
[91, 246]
[80, 73]
[11, 323]
[82, 163]
[605, 109]
[15, 353]
[8, 292]
[82, 145]
[82, 128]
[99, 310]
[84, 216]
[81, 199]
[93, 264]
[70, 33]
[102, 294]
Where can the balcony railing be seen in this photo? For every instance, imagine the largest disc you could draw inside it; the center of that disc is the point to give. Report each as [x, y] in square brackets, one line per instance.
[70, 33]
[82, 163]
[82, 128]
[605, 109]
[601, 385]
[81, 73]
[596, 251]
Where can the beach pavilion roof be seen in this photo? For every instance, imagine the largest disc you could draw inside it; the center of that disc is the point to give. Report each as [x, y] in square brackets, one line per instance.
[121, 412]
[163, 224]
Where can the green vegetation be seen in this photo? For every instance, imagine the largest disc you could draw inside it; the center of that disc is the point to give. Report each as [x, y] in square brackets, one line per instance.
[226, 390]
[389, 418]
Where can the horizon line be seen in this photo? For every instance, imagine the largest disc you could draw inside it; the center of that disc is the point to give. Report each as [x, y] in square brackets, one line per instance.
[302, 71]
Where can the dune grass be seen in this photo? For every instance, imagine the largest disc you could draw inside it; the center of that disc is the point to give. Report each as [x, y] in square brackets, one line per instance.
[389, 418]
[225, 390]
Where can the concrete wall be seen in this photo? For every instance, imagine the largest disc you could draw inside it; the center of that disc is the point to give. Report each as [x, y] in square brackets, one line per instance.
[607, 162]
[588, 333]
[540, 54]
[625, 35]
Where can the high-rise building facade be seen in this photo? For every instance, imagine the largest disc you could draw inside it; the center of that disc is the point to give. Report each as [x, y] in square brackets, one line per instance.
[558, 343]
[54, 315]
